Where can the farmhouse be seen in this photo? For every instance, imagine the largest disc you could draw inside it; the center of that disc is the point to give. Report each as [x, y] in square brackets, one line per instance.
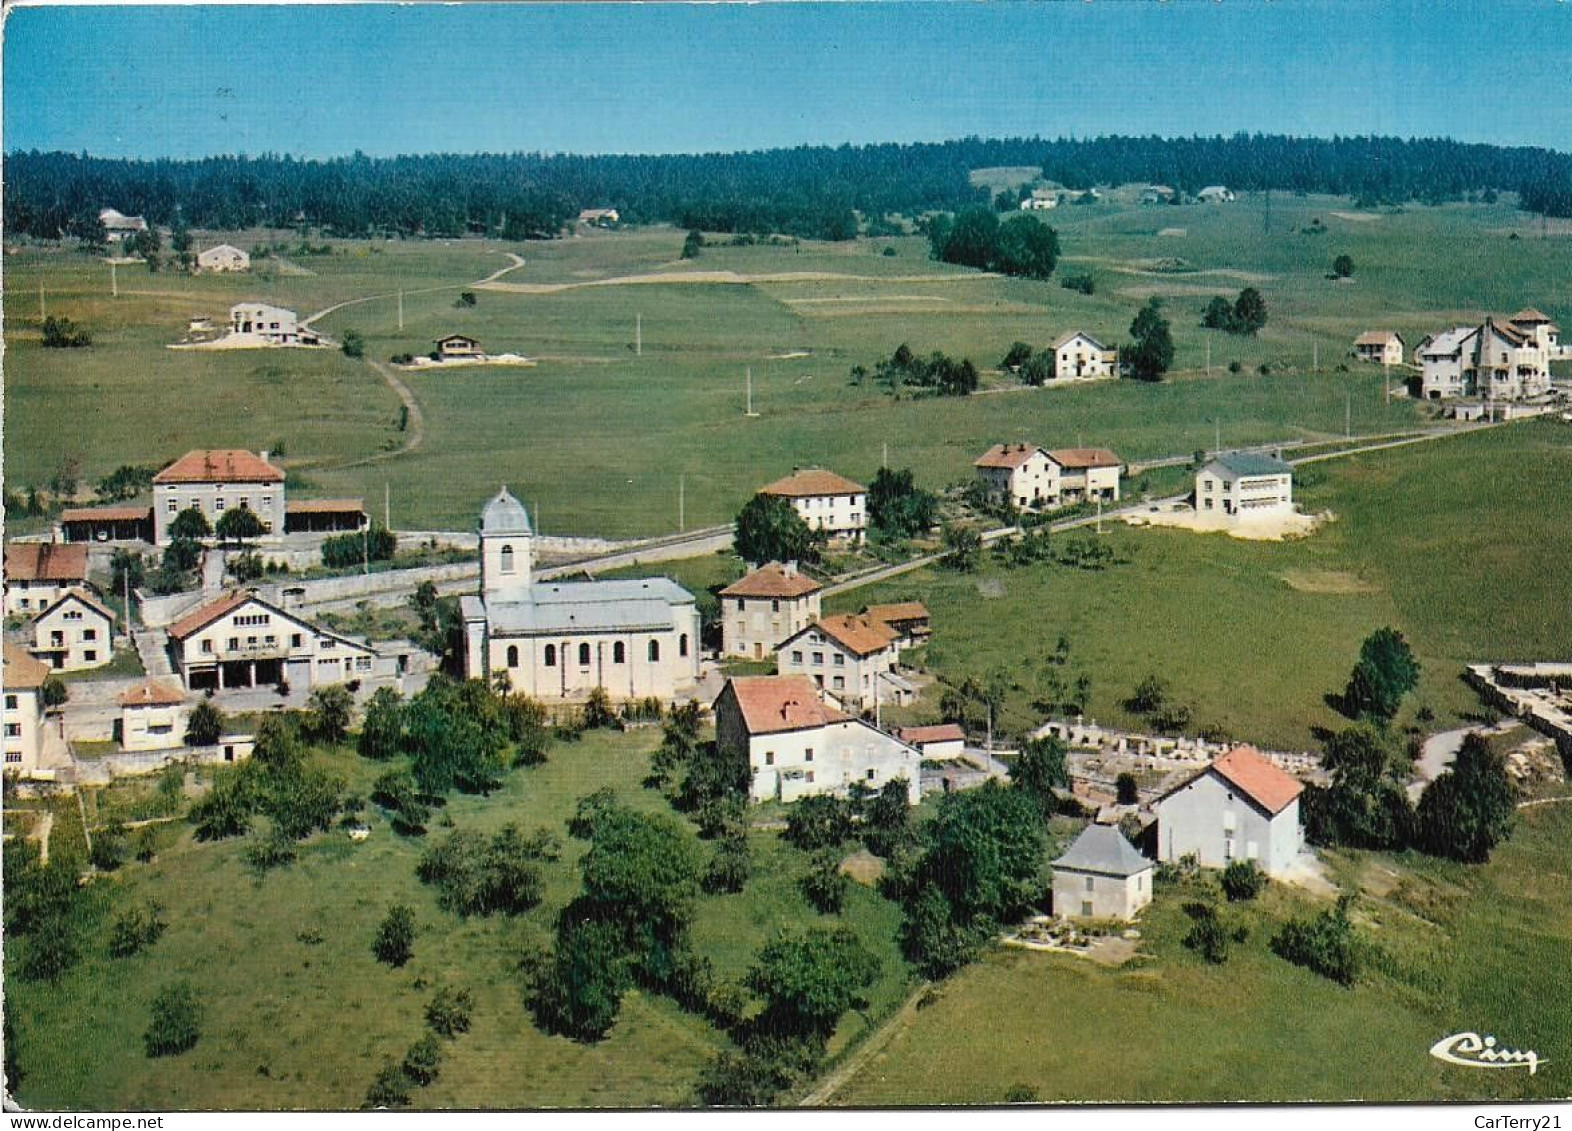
[107, 524]
[909, 620]
[118, 226]
[1241, 807]
[74, 634]
[851, 657]
[1495, 361]
[1380, 346]
[560, 641]
[1086, 475]
[599, 217]
[240, 640]
[458, 346]
[1079, 356]
[772, 603]
[1020, 475]
[1157, 194]
[153, 716]
[1101, 876]
[1240, 486]
[943, 741]
[1041, 200]
[214, 480]
[23, 681]
[224, 257]
[826, 501]
[1214, 194]
[797, 746]
[269, 325]
[37, 574]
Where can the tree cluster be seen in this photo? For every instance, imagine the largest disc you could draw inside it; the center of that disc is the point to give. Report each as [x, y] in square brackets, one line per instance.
[344, 550]
[976, 237]
[769, 529]
[1385, 672]
[1245, 315]
[1151, 350]
[938, 373]
[897, 507]
[475, 875]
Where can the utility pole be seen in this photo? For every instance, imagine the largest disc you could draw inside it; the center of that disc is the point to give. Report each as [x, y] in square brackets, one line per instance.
[1217, 426]
[401, 312]
[1348, 416]
[749, 411]
[682, 503]
[42, 312]
[1315, 357]
[638, 335]
[1208, 356]
[365, 549]
[884, 460]
[114, 281]
[1266, 215]
[387, 505]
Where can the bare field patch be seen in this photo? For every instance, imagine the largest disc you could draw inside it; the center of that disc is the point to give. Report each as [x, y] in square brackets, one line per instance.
[1174, 232]
[1328, 581]
[1357, 217]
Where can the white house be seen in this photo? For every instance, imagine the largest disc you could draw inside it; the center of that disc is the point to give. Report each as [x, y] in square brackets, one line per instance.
[75, 633]
[224, 257]
[1214, 194]
[117, 225]
[1382, 347]
[941, 742]
[796, 745]
[459, 346]
[23, 681]
[599, 217]
[37, 574]
[240, 640]
[1077, 356]
[153, 716]
[1539, 326]
[1101, 876]
[269, 325]
[1240, 486]
[1086, 475]
[1241, 807]
[637, 638]
[851, 657]
[910, 621]
[1041, 200]
[828, 502]
[772, 603]
[213, 481]
[1021, 475]
[1495, 361]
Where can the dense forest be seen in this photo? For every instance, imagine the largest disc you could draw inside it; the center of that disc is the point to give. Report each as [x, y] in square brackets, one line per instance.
[814, 191]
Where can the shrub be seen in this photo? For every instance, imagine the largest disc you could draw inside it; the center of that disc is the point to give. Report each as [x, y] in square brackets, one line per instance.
[390, 1088]
[1209, 936]
[273, 851]
[447, 1013]
[176, 1023]
[816, 822]
[1324, 944]
[423, 1062]
[731, 863]
[136, 929]
[395, 941]
[62, 333]
[825, 884]
[1242, 881]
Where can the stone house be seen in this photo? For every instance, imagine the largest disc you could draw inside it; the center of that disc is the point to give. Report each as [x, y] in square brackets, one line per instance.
[942, 741]
[1086, 475]
[225, 257]
[213, 481]
[1240, 807]
[153, 716]
[1101, 876]
[774, 602]
[270, 325]
[1021, 475]
[851, 657]
[1077, 356]
[37, 574]
[1382, 347]
[24, 734]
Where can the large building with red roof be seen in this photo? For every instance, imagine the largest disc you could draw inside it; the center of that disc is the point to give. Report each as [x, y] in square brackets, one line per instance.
[1240, 807]
[774, 602]
[827, 501]
[37, 574]
[240, 640]
[850, 656]
[797, 745]
[213, 481]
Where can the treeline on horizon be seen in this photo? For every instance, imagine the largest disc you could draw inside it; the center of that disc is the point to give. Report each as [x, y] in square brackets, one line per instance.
[818, 192]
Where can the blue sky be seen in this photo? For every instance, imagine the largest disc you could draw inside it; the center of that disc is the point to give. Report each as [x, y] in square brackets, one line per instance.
[660, 78]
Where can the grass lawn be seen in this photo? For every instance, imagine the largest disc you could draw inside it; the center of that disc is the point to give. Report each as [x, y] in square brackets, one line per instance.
[1170, 1028]
[291, 1024]
[1254, 634]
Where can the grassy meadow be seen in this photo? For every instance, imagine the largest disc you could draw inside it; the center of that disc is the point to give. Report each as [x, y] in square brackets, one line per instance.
[291, 1024]
[1468, 564]
[598, 434]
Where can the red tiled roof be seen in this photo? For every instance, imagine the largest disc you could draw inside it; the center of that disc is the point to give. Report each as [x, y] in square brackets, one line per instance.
[325, 506]
[81, 595]
[774, 703]
[889, 614]
[107, 514]
[21, 671]
[1257, 778]
[943, 732]
[772, 580]
[207, 614]
[151, 694]
[1007, 456]
[1079, 458]
[814, 481]
[220, 465]
[856, 634]
[1530, 317]
[45, 561]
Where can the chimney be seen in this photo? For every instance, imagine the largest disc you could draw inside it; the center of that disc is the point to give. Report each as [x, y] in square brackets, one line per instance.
[790, 568]
[263, 454]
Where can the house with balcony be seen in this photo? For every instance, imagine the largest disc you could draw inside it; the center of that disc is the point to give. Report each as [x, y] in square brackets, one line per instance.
[796, 745]
[851, 658]
[1238, 487]
[241, 640]
[75, 633]
[1382, 347]
[458, 347]
[774, 602]
[269, 325]
[826, 501]
[1495, 361]
[1085, 475]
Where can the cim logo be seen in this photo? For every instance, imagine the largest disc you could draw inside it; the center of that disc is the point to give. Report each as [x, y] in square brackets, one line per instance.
[1473, 1051]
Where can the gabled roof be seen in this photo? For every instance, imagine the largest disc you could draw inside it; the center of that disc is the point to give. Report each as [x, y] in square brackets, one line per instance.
[941, 732]
[1533, 316]
[814, 481]
[84, 597]
[1008, 456]
[220, 465]
[773, 580]
[1251, 774]
[1082, 458]
[1070, 335]
[21, 672]
[458, 338]
[46, 561]
[771, 704]
[229, 247]
[858, 635]
[1378, 338]
[1250, 463]
[207, 614]
[128, 513]
[901, 611]
[151, 693]
[1506, 330]
[325, 506]
[1448, 341]
[1103, 849]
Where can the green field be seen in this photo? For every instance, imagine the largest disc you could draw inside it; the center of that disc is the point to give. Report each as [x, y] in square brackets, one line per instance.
[295, 1025]
[1470, 949]
[598, 436]
[1468, 565]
